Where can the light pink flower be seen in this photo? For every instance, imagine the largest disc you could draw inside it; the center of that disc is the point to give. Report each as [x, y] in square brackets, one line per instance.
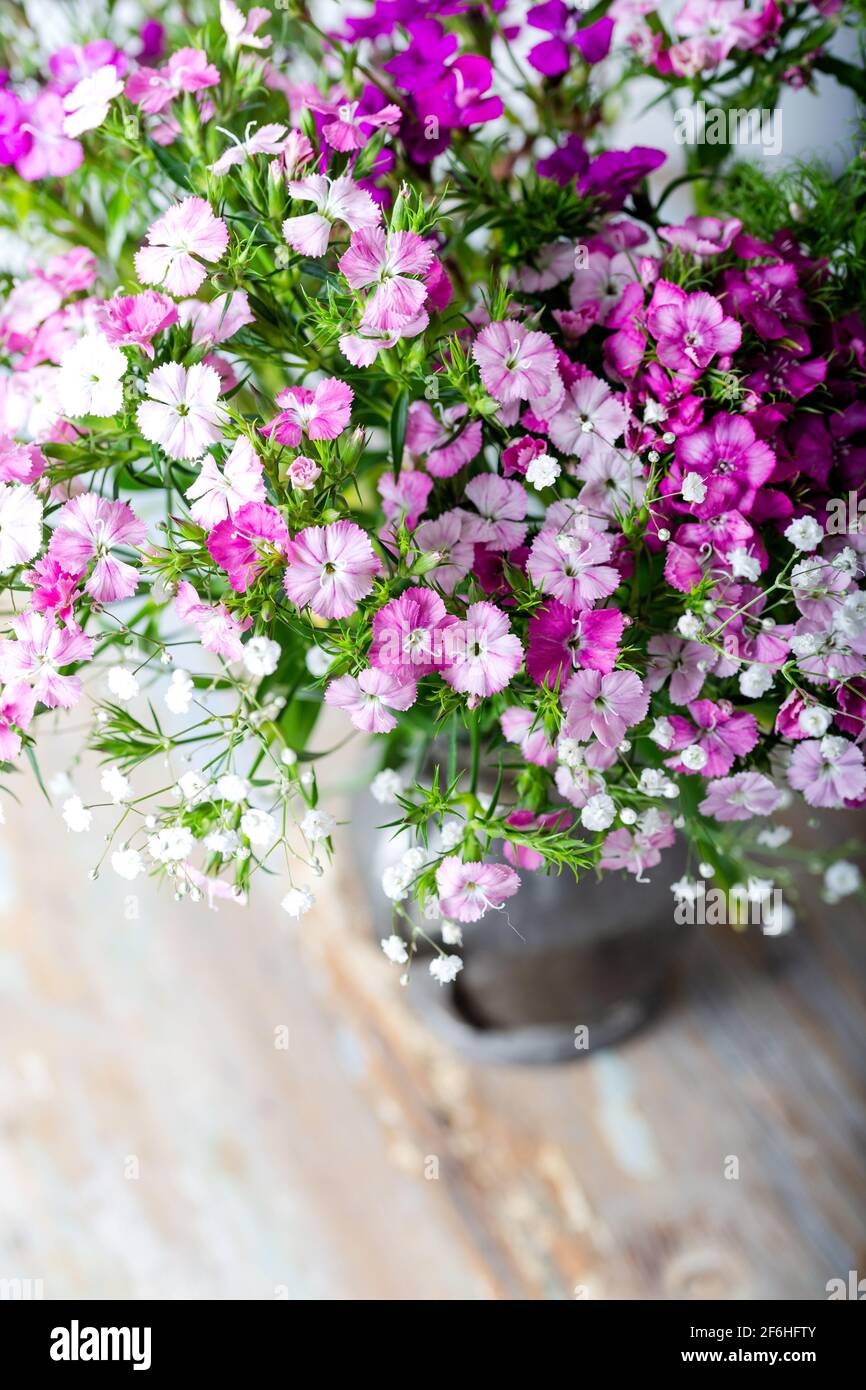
[722, 732]
[485, 652]
[320, 414]
[689, 329]
[603, 705]
[600, 283]
[515, 363]
[519, 726]
[330, 569]
[404, 498]
[412, 635]
[369, 697]
[17, 703]
[445, 447]
[740, 797]
[133, 320]
[572, 567]
[501, 504]
[218, 320]
[638, 849]
[20, 463]
[268, 139]
[42, 649]
[187, 70]
[362, 349]
[828, 771]
[241, 29]
[187, 230]
[336, 200]
[343, 131]
[182, 415]
[89, 527]
[303, 473]
[590, 420]
[218, 631]
[220, 492]
[467, 891]
[613, 483]
[444, 538]
[387, 261]
[685, 664]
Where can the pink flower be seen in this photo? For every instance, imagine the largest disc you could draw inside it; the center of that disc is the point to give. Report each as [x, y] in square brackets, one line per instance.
[345, 129]
[444, 538]
[182, 415]
[638, 849]
[600, 284]
[560, 639]
[133, 320]
[336, 200]
[445, 447]
[572, 567]
[243, 544]
[519, 727]
[730, 459]
[828, 771]
[590, 420]
[387, 261]
[38, 655]
[722, 732]
[20, 463]
[17, 703]
[47, 152]
[303, 473]
[362, 349]
[486, 654]
[187, 230]
[603, 706]
[153, 89]
[613, 483]
[218, 631]
[412, 635]
[89, 527]
[320, 414]
[52, 588]
[68, 272]
[502, 504]
[218, 320]
[404, 498]
[704, 236]
[467, 891]
[330, 569]
[685, 664]
[521, 856]
[267, 139]
[368, 698]
[218, 493]
[740, 797]
[515, 363]
[689, 329]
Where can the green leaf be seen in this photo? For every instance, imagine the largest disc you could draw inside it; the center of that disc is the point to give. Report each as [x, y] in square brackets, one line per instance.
[399, 417]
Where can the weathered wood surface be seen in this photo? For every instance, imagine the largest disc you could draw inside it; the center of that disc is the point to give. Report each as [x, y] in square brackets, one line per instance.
[310, 1172]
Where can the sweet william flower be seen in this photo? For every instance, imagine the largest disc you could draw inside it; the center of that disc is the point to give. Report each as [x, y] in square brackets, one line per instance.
[572, 568]
[133, 320]
[828, 771]
[740, 797]
[39, 653]
[46, 152]
[218, 631]
[349, 126]
[89, 528]
[303, 473]
[369, 698]
[174, 241]
[90, 378]
[515, 363]
[560, 639]
[20, 525]
[603, 706]
[335, 200]
[330, 569]
[319, 414]
[244, 543]
[17, 703]
[485, 653]
[412, 635]
[181, 414]
[87, 105]
[154, 89]
[690, 329]
[267, 139]
[241, 30]
[388, 262]
[468, 891]
[218, 493]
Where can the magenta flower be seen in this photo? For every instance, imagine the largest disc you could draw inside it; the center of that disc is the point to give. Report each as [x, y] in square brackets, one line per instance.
[560, 639]
[552, 56]
[501, 504]
[685, 664]
[88, 528]
[446, 447]
[603, 706]
[46, 151]
[515, 363]
[486, 654]
[187, 230]
[244, 543]
[467, 891]
[20, 463]
[17, 703]
[187, 70]
[218, 631]
[330, 569]
[458, 99]
[369, 698]
[51, 588]
[411, 635]
[740, 797]
[335, 200]
[722, 733]
[319, 414]
[828, 771]
[387, 261]
[689, 329]
[70, 65]
[572, 566]
[133, 320]
[703, 236]
[730, 459]
[38, 655]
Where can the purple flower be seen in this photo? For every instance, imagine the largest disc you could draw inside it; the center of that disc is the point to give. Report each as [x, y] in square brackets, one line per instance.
[828, 771]
[722, 734]
[731, 460]
[689, 329]
[242, 544]
[552, 56]
[741, 797]
[560, 639]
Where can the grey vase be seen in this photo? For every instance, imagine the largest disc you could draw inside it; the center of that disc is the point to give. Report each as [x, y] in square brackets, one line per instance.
[565, 969]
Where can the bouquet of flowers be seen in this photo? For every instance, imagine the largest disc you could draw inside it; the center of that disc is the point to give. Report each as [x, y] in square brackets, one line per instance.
[345, 376]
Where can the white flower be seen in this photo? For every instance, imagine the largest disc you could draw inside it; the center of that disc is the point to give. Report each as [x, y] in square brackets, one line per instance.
[60, 784]
[833, 748]
[395, 949]
[445, 968]
[451, 835]
[171, 843]
[755, 680]
[452, 934]
[686, 889]
[778, 919]
[654, 782]
[774, 836]
[850, 617]
[288, 757]
[395, 883]
[89, 381]
[846, 561]
[261, 655]
[599, 812]
[413, 860]
[814, 720]
[179, 695]
[743, 565]
[297, 902]
[87, 103]
[317, 825]
[694, 757]
[317, 662]
[128, 863]
[569, 752]
[628, 815]
[118, 787]
[224, 842]
[758, 890]
[259, 827]
[76, 814]
[122, 683]
[232, 788]
[191, 786]
[841, 879]
[662, 732]
[20, 525]
[689, 625]
[543, 472]
[804, 533]
[386, 786]
[694, 488]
